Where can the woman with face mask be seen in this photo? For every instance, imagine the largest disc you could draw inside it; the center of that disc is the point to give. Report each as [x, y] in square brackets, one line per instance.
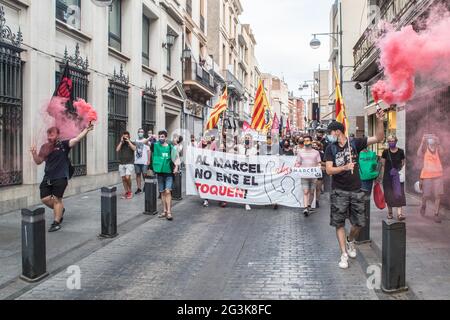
[431, 177]
[286, 149]
[392, 162]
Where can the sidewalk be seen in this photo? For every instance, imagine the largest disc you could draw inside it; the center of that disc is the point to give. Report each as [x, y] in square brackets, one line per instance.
[82, 224]
[427, 249]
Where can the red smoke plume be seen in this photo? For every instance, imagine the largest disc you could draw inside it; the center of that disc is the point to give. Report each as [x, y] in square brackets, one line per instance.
[406, 54]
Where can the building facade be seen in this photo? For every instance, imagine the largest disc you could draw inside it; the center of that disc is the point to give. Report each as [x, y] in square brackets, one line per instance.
[351, 12]
[277, 92]
[296, 113]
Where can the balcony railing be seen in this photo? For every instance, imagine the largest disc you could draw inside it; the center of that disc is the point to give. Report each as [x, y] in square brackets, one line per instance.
[193, 71]
[392, 11]
[232, 80]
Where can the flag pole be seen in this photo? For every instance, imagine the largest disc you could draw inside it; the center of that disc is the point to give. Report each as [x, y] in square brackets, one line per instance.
[347, 134]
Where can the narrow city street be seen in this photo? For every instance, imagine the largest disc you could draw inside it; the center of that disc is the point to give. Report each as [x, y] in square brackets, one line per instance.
[216, 253]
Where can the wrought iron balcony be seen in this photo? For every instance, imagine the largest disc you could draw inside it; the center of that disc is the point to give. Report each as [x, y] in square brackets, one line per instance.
[399, 12]
[236, 84]
[198, 81]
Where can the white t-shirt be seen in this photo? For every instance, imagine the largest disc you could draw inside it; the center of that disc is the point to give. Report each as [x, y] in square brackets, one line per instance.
[141, 153]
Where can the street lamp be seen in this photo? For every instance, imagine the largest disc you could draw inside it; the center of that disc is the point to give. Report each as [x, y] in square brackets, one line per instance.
[315, 43]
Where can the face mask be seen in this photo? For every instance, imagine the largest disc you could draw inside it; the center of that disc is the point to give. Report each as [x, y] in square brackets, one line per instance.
[431, 142]
[247, 142]
[332, 138]
[392, 145]
[308, 145]
[140, 135]
[162, 141]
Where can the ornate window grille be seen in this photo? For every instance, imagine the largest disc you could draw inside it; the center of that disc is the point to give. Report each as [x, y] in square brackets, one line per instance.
[79, 74]
[11, 117]
[117, 115]
[149, 108]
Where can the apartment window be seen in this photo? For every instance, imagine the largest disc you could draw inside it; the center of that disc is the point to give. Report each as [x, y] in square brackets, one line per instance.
[148, 112]
[117, 120]
[224, 12]
[80, 88]
[169, 59]
[202, 15]
[189, 7]
[224, 57]
[145, 40]
[69, 12]
[115, 25]
[11, 121]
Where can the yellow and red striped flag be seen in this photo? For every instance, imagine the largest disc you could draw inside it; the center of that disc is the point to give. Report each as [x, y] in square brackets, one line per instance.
[218, 109]
[259, 109]
[341, 115]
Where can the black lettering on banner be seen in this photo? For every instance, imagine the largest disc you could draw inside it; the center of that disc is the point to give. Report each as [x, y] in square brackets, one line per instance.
[218, 163]
[247, 180]
[201, 161]
[219, 177]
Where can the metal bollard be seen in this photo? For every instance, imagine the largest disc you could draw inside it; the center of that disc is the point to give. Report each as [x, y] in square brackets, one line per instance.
[34, 264]
[151, 191]
[109, 212]
[364, 234]
[177, 193]
[393, 257]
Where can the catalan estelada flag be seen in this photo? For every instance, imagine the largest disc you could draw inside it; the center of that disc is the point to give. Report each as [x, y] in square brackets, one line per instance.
[341, 115]
[259, 109]
[218, 109]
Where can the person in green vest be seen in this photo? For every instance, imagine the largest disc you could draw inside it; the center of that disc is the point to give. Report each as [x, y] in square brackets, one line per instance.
[165, 164]
[369, 169]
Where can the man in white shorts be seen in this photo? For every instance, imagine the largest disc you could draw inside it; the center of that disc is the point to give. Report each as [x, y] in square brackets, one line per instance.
[125, 151]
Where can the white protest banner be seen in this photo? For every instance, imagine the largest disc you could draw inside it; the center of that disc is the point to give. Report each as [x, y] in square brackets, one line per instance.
[257, 180]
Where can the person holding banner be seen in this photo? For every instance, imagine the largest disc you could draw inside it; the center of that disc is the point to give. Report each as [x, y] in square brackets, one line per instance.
[247, 149]
[347, 197]
[308, 158]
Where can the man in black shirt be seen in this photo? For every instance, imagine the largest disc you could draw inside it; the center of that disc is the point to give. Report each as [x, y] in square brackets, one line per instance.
[55, 154]
[347, 198]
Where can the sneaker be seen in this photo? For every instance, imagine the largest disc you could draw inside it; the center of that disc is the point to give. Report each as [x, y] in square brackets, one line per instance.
[129, 196]
[55, 227]
[423, 211]
[138, 191]
[306, 212]
[223, 204]
[351, 250]
[124, 196]
[343, 264]
[437, 219]
[206, 203]
[248, 208]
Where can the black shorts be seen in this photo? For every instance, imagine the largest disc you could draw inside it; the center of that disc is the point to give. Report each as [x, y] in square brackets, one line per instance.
[347, 205]
[54, 188]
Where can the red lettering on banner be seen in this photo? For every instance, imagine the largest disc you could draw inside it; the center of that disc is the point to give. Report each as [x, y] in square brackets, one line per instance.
[214, 190]
[223, 191]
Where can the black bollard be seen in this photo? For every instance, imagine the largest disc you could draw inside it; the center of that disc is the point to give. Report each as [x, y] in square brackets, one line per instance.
[109, 212]
[34, 264]
[177, 193]
[151, 191]
[364, 234]
[393, 257]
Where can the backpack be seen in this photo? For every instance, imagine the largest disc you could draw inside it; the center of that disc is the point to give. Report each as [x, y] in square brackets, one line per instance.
[368, 165]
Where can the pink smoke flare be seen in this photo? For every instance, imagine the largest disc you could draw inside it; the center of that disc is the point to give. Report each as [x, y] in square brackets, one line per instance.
[406, 54]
